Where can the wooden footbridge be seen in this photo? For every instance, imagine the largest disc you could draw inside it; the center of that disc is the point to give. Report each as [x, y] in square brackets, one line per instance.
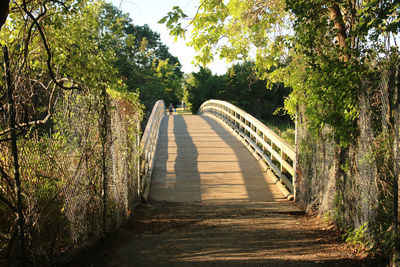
[203, 158]
[218, 187]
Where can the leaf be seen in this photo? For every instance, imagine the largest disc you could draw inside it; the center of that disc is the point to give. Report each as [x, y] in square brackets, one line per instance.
[163, 20]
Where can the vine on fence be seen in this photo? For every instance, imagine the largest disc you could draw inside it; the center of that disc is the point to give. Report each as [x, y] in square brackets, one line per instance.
[69, 131]
[65, 204]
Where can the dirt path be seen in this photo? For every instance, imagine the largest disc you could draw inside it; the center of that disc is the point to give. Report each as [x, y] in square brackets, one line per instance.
[216, 234]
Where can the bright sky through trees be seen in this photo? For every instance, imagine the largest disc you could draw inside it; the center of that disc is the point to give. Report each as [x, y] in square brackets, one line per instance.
[151, 11]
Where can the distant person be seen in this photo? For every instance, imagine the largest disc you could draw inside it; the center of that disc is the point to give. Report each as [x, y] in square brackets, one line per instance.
[171, 108]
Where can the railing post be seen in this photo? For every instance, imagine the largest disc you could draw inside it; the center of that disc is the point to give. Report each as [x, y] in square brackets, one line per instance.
[284, 157]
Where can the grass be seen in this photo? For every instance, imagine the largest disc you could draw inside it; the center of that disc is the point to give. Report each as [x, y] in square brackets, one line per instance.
[284, 129]
[181, 111]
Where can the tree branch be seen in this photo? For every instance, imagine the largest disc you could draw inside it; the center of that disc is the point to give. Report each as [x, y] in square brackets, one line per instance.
[336, 16]
[4, 6]
[59, 83]
[6, 178]
[37, 122]
[8, 203]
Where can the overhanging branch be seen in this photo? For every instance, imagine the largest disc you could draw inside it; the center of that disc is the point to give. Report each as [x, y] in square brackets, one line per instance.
[58, 82]
[37, 122]
[4, 6]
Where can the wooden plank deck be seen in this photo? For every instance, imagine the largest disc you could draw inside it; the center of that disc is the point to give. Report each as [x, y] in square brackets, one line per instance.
[198, 160]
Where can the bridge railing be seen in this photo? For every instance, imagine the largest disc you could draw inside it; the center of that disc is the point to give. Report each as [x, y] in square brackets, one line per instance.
[148, 145]
[266, 145]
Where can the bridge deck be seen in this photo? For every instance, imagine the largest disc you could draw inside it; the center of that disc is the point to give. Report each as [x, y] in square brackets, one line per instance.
[198, 160]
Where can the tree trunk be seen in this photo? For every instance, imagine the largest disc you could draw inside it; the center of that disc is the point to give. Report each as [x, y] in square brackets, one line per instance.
[336, 16]
[14, 151]
[4, 6]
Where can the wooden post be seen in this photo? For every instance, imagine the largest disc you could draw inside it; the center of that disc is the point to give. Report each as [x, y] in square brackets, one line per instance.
[283, 157]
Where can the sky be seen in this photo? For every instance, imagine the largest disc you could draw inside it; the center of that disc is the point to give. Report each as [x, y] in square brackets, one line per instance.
[151, 11]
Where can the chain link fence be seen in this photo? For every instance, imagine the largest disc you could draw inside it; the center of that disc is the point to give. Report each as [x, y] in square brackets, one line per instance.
[355, 185]
[79, 174]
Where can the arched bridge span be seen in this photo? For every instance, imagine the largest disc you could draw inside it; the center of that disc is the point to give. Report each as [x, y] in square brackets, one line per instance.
[219, 204]
[201, 158]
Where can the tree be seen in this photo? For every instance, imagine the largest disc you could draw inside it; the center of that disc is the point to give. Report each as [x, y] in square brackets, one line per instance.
[141, 58]
[26, 85]
[202, 86]
[334, 54]
[246, 90]
[50, 47]
[160, 82]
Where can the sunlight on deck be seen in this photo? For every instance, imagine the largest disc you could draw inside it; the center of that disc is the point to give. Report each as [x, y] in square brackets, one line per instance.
[199, 160]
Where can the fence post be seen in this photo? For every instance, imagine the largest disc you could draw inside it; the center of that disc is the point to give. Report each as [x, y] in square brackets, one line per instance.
[103, 127]
[296, 154]
[14, 151]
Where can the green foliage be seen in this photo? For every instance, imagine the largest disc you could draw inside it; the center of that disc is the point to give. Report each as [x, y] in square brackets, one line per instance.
[43, 181]
[243, 24]
[94, 47]
[171, 20]
[383, 230]
[382, 244]
[330, 97]
[385, 238]
[241, 87]
[283, 127]
[246, 90]
[142, 60]
[202, 86]
[358, 236]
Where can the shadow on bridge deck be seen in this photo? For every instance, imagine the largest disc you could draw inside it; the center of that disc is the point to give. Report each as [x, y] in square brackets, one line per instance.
[198, 160]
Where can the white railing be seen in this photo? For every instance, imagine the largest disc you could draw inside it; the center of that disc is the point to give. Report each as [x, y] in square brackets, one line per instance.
[267, 146]
[148, 145]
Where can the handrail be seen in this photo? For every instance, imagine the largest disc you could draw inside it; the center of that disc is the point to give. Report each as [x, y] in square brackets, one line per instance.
[264, 143]
[148, 145]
